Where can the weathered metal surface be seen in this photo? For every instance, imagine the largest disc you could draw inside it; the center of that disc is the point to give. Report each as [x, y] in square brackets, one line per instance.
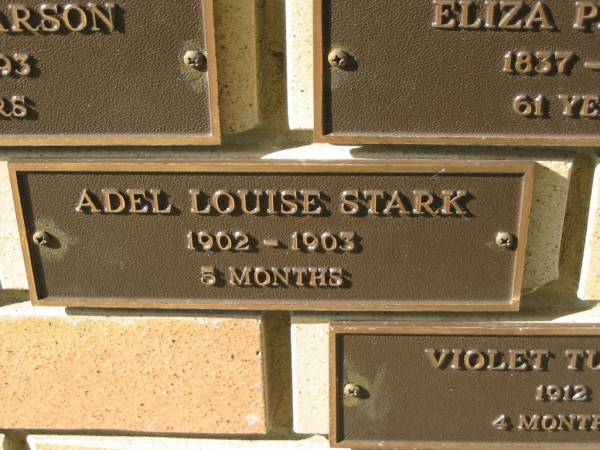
[454, 386]
[106, 73]
[468, 72]
[426, 235]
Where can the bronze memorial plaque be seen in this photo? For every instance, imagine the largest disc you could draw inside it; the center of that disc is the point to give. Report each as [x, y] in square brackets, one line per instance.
[340, 236]
[522, 72]
[456, 386]
[131, 72]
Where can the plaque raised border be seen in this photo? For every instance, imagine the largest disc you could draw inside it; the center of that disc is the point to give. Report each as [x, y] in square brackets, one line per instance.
[320, 135]
[158, 139]
[499, 329]
[315, 301]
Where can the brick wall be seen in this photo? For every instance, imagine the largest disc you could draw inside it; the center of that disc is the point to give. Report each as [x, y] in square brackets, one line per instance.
[96, 379]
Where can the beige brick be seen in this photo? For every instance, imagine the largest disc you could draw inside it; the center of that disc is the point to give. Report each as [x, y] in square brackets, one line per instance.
[299, 41]
[589, 284]
[42, 442]
[159, 373]
[310, 374]
[550, 192]
[236, 41]
[12, 267]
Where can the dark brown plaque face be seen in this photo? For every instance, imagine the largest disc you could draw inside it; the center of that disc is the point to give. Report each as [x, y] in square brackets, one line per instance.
[346, 236]
[521, 72]
[103, 73]
[453, 386]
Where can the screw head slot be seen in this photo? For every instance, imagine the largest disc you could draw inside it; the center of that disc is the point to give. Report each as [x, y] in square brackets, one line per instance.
[352, 390]
[40, 238]
[194, 58]
[506, 240]
[340, 59]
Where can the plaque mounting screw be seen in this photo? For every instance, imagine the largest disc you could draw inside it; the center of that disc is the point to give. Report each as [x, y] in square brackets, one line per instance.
[506, 240]
[352, 390]
[339, 58]
[193, 58]
[40, 238]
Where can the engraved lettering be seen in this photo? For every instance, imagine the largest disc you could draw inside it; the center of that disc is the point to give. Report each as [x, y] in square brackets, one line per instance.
[137, 198]
[86, 201]
[49, 23]
[457, 359]
[495, 355]
[372, 197]
[156, 207]
[54, 18]
[575, 359]
[310, 199]
[109, 197]
[450, 205]
[288, 204]
[549, 423]
[300, 273]
[510, 9]
[262, 277]
[540, 359]
[19, 17]
[274, 277]
[243, 279]
[196, 208]
[134, 201]
[244, 200]
[588, 108]
[569, 103]
[585, 12]
[518, 360]
[527, 423]
[559, 422]
[317, 276]
[567, 423]
[395, 203]
[422, 201]
[593, 359]
[106, 17]
[492, 15]
[74, 17]
[584, 421]
[223, 207]
[474, 359]
[540, 14]
[349, 205]
[466, 13]
[281, 275]
[271, 197]
[336, 277]
[439, 358]
[442, 14]
[580, 106]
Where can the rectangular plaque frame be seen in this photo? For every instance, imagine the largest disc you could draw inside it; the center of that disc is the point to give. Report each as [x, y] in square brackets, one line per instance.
[561, 138]
[395, 328]
[146, 139]
[312, 300]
